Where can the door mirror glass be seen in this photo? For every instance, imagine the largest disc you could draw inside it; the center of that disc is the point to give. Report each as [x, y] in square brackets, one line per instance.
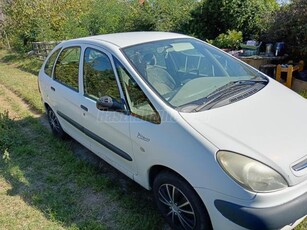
[108, 103]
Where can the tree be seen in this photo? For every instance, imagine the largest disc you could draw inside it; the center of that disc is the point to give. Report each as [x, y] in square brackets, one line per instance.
[28, 21]
[290, 26]
[105, 16]
[214, 17]
[20, 31]
[164, 15]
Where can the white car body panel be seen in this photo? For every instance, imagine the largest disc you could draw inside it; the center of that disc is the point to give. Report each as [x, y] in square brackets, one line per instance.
[267, 126]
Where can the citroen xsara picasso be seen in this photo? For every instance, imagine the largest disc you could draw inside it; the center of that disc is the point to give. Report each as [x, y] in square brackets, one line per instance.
[222, 145]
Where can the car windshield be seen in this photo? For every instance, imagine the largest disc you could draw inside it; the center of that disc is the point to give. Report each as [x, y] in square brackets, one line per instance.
[188, 72]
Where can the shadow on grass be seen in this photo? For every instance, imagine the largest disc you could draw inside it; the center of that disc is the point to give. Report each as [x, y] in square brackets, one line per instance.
[30, 67]
[25, 63]
[11, 58]
[68, 184]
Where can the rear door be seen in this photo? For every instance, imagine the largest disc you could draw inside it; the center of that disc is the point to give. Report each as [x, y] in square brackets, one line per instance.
[65, 87]
[46, 81]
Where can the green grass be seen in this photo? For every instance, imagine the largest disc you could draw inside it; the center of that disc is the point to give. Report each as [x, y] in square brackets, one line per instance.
[45, 185]
[24, 62]
[304, 93]
[22, 83]
[54, 189]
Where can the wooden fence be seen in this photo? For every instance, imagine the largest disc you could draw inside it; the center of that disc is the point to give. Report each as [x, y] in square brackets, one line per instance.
[42, 49]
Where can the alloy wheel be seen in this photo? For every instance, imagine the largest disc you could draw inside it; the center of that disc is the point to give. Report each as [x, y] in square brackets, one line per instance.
[177, 207]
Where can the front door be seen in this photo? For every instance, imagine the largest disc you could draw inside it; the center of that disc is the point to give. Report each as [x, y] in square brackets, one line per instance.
[108, 131]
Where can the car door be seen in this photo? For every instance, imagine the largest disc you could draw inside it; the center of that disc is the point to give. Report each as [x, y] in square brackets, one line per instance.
[108, 131]
[46, 82]
[65, 87]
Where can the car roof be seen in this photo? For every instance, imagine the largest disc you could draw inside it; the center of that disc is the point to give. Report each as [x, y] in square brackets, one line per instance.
[132, 38]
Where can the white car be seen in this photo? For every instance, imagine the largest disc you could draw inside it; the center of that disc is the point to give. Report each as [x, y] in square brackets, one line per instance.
[222, 145]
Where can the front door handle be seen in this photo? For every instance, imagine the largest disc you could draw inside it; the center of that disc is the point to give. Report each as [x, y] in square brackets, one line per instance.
[84, 108]
[52, 88]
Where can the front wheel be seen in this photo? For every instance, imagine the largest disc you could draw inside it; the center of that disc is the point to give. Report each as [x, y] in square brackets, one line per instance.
[179, 203]
[55, 125]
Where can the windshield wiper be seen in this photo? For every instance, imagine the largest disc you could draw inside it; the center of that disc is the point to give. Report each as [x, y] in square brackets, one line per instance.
[227, 90]
[235, 83]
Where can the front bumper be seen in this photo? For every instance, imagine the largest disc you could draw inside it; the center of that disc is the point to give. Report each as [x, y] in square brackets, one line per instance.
[264, 218]
[282, 209]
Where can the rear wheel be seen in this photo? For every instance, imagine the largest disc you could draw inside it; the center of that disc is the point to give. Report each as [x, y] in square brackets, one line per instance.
[54, 123]
[179, 203]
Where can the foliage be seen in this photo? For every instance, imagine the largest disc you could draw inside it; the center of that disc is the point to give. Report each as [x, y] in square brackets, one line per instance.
[304, 93]
[60, 19]
[49, 20]
[106, 16]
[165, 15]
[290, 26]
[28, 21]
[214, 17]
[23, 30]
[56, 20]
[230, 40]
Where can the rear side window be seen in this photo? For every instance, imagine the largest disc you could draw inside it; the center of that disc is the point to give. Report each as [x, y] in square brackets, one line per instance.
[67, 67]
[98, 76]
[50, 63]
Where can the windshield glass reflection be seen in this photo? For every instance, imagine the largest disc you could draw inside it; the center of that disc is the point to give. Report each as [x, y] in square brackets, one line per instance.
[184, 71]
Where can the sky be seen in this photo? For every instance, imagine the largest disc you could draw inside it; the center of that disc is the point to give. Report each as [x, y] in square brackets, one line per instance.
[283, 1]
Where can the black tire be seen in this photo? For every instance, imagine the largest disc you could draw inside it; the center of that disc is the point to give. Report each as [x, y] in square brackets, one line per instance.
[55, 125]
[179, 203]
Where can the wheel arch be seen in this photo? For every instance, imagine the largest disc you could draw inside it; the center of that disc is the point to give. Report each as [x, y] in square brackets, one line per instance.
[47, 106]
[156, 169]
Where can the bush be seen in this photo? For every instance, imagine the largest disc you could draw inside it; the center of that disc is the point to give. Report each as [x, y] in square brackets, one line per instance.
[230, 40]
[163, 15]
[214, 17]
[290, 26]
[29, 21]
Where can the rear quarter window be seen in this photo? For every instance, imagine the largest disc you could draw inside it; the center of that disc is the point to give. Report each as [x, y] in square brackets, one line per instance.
[66, 70]
[50, 63]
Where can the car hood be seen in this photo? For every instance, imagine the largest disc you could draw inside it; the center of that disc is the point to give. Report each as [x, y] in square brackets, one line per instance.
[270, 126]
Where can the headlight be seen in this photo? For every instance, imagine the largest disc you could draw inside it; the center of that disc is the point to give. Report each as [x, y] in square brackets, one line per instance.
[250, 173]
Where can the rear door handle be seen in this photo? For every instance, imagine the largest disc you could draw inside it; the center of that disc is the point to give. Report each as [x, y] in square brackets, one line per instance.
[52, 88]
[84, 108]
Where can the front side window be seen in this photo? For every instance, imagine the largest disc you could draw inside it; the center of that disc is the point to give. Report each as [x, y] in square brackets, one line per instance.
[191, 75]
[50, 63]
[98, 76]
[139, 104]
[67, 67]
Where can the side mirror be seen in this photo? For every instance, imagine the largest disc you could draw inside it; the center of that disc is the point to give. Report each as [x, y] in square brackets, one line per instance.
[108, 103]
